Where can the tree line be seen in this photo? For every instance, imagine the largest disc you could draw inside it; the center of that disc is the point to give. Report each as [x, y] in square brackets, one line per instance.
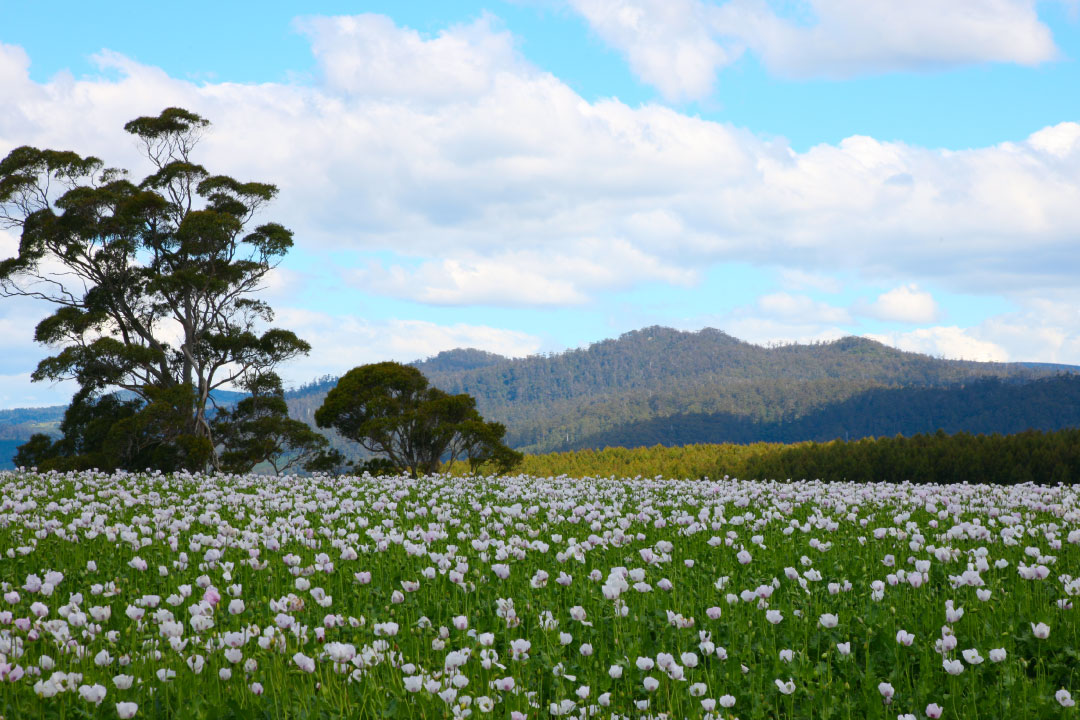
[154, 287]
[1030, 456]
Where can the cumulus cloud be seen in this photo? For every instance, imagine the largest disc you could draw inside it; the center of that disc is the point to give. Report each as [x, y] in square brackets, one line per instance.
[679, 45]
[522, 278]
[907, 304]
[520, 161]
[950, 342]
[342, 342]
[801, 307]
[669, 44]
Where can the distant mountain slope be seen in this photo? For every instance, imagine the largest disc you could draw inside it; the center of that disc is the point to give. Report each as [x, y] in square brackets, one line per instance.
[985, 406]
[563, 400]
[553, 402]
[698, 384]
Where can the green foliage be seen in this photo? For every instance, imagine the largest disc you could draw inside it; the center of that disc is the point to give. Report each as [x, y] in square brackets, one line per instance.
[662, 385]
[125, 263]
[389, 408]
[1033, 456]
[113, 434]
[258, 429]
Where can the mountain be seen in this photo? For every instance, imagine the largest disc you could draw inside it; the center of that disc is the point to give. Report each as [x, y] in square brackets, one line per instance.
[560, 401]
[623, 390]
[659, 385]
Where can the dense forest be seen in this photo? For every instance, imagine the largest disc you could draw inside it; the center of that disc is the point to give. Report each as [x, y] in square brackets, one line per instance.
[984, 406]
[660, 385]
[668, 387]
[1032, 456]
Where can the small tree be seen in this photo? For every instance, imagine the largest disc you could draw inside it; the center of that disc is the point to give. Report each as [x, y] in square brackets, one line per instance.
[258, 429]
[390, 408]
[152, 282]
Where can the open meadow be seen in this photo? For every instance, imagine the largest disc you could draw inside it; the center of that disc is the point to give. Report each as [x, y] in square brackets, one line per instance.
[215, 596]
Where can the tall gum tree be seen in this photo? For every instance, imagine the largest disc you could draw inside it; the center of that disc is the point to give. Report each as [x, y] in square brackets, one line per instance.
[153, 282]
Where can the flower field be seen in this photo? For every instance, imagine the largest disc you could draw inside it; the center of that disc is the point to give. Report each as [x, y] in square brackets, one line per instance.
[149, 596]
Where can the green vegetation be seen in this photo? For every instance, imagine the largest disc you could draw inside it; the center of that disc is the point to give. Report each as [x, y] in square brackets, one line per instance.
[569, 400]
[258, 429]
[390, 409]
[1033, 456]
[152, 285]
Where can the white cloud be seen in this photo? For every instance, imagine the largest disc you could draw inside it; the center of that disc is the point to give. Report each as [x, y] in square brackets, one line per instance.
[369, 55]
[516, 159]
[679, 45]
[907, 304]
[668, 43]
[950, 342]
[522, 278]
[852, 37]
[802, 308]
[343, 342]
[797, 279]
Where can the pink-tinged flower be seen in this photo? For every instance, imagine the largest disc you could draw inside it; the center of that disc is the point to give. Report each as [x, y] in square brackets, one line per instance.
[92, 693]
[137, 563]
[953, 667]
[713, 613]
[1064, 698]
[645, 664]
[934, 711]
[22, 624]
[304, 662]
[997, 654]
[774, 616]
[11, 673]
[519, 649]
[212, 596]
[236, 606]
[256, 688]
[905, 638]
[744, 557]
[727, 701]
[887, 691]
[12, 598]
[125, 710]
[650, 683]
[39, 609]
[1040, 630]
[505, 684]
[363, 577]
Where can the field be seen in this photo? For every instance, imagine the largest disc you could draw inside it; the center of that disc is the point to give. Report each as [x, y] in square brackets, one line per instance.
[141, 595]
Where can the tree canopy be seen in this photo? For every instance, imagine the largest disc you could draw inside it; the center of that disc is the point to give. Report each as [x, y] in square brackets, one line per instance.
[153, 285]
[390, 408]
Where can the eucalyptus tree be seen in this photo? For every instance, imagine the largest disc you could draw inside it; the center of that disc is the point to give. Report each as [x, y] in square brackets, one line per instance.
[153, 283]
[390, 409]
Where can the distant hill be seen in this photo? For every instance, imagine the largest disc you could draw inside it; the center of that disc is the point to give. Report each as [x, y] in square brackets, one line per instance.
[669, 386]
[643, 378]
[985, 406]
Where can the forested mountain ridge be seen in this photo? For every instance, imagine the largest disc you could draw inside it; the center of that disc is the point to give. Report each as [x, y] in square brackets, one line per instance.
[660, 385]
[563, 400]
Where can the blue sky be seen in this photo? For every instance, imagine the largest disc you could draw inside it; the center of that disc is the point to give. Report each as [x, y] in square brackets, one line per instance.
[532, 176]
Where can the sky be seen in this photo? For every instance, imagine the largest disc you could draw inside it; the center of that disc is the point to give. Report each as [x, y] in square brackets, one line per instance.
[528, 176]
